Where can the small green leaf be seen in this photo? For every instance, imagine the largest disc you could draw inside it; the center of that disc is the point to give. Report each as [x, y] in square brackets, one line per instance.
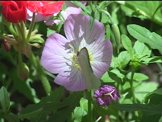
[106, 78]
[49, 32]
[84, 104]
[144, 35]
[121, 61]
[118, 73]
[78, 114]
[141, 49]
[155, 59]
[4, 99]
[127, 45]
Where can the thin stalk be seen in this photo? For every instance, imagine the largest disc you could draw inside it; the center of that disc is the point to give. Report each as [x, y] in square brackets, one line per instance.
[19, 53]
[160, 5]
[23, 29]
[12, 30]
[89, 106]
[21, 33]
[91, 5]
[131, 84]
[160, 66]
[31, 28]
[41, 73]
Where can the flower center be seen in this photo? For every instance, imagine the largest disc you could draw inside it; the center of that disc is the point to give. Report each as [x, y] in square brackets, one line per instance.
[110, 94]
[74, 57]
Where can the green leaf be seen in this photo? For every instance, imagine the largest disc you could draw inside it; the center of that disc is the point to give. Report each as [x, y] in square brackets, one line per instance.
[143, 10]
[84, 104]
[39, 111]
[121, 61]
[49, 32]
[155, 96]
[141, 49]
[137, 76]
[149, 109]
[78, 114]
[144, 35]
[24, 87]
[62, 114]
[106, 78]
[143, 89]
[118, 73]
[11, 117]
[150, 118]
[127, 44]
[155, 59]
[4, 99]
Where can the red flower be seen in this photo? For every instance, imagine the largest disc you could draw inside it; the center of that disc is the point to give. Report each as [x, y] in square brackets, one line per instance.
[45, 8]
[14, 11]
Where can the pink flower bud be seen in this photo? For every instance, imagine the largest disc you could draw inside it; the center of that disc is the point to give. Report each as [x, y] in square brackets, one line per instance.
[23, 71]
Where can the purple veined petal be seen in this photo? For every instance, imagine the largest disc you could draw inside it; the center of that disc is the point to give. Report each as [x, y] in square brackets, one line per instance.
[101, 56]
[54, 56]
[100, 102]
[77, 28]
[71, 79]
[72, 9]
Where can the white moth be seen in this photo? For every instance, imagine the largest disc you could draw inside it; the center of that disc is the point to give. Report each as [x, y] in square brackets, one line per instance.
[91, 81]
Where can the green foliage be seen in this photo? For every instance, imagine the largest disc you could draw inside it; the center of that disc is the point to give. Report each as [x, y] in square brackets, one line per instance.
[144, 35]
[39, 111]
[4, 99]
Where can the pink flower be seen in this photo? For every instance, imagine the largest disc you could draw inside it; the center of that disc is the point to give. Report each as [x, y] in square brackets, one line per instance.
[71, 9]
[60, 54]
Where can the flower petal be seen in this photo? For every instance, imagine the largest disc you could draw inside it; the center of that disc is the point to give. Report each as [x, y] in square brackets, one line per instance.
[77, 28]
[71, 79]
[54, 56]
[101, 56]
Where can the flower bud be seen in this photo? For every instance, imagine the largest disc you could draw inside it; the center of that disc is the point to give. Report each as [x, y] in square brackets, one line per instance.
[116, 32]
[23, 71]
[105, 95]
[5, 46]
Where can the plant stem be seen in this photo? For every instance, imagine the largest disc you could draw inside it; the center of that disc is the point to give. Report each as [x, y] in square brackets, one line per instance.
[89, 106]
[31, 28]
[131, 84]
[41, 73]
[10, 27]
